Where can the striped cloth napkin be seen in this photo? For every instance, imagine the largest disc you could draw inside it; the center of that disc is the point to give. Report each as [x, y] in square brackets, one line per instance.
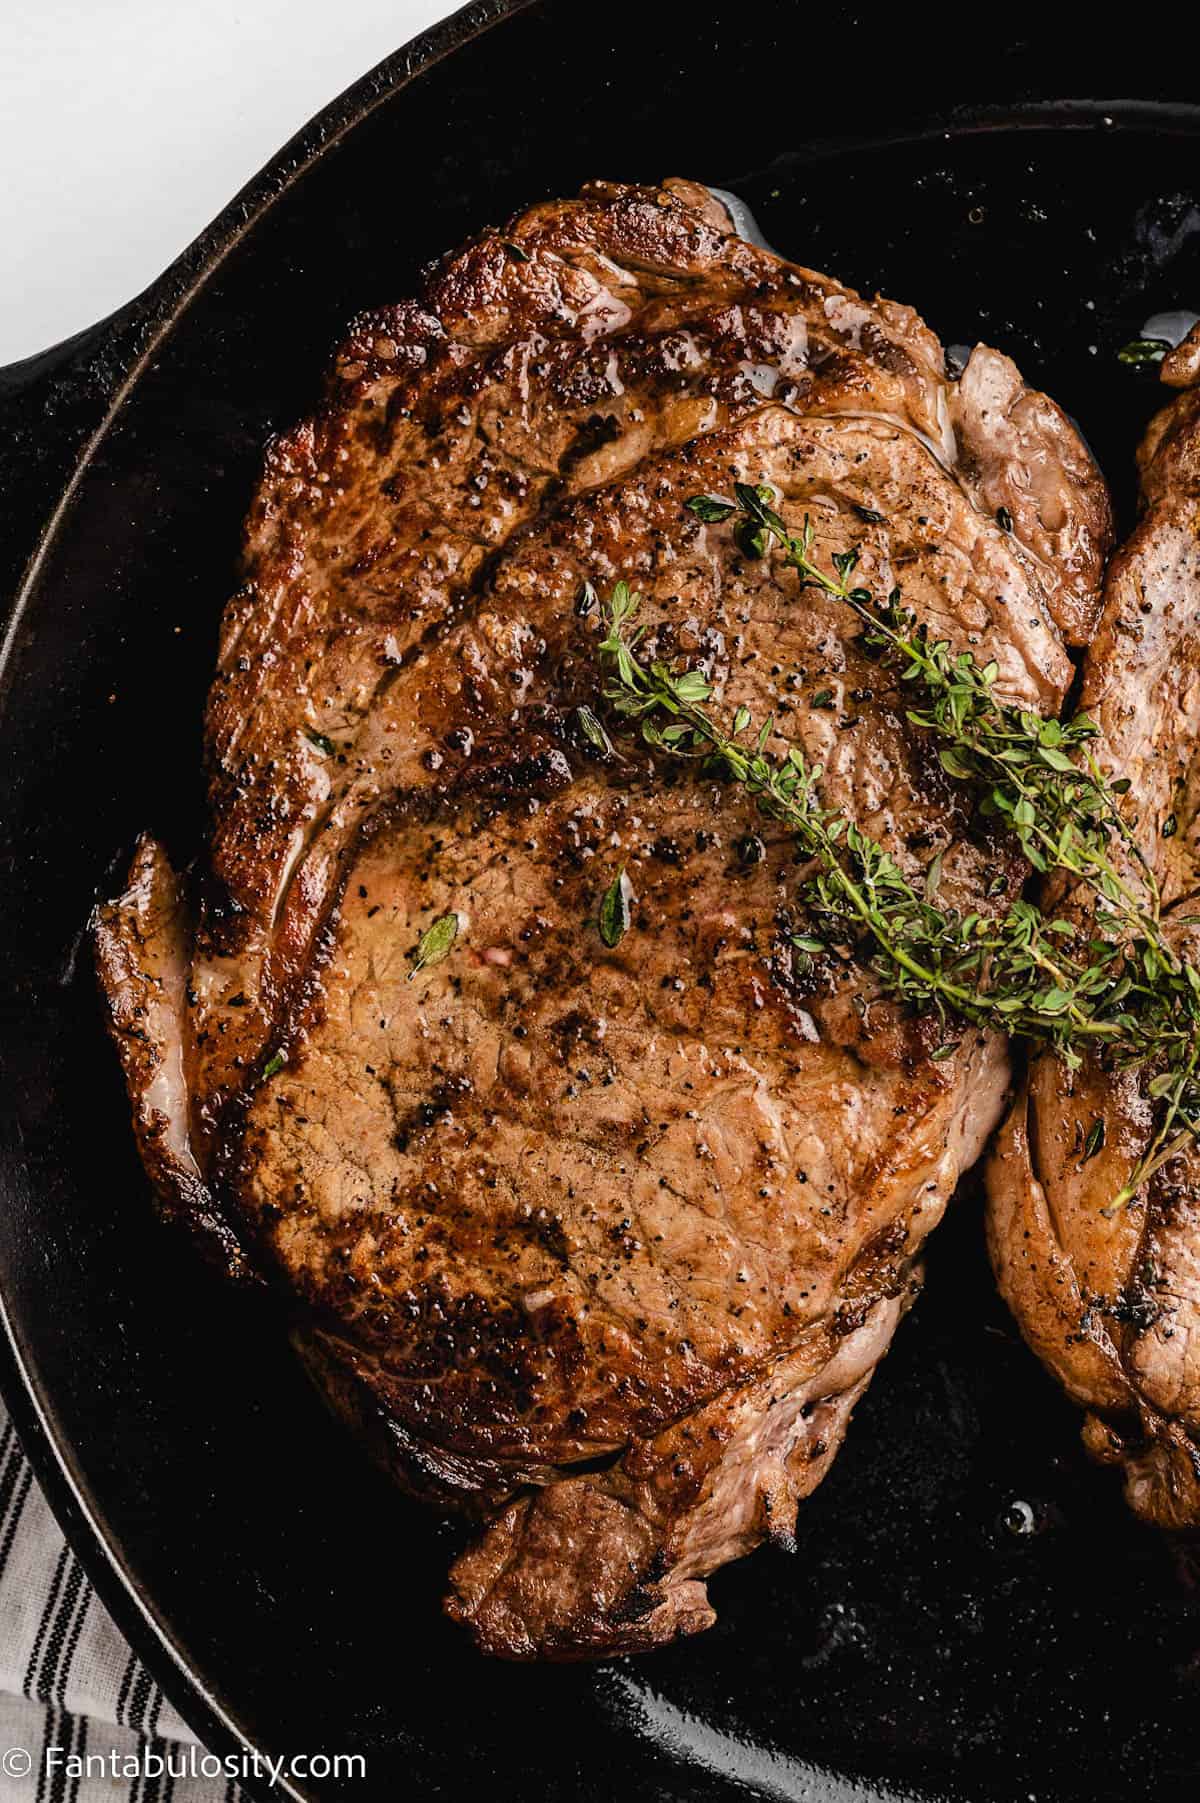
[68, 1680]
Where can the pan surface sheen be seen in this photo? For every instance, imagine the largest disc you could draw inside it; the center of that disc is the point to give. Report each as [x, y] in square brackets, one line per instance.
[915, 1644]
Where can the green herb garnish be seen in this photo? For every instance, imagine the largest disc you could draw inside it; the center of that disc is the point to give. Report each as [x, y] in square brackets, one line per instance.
[320, 741]
[1143, 350]
[616, 909]
[1111, 983]
[434, 944]
[711, 508]
[592, 731]
[273, 1066]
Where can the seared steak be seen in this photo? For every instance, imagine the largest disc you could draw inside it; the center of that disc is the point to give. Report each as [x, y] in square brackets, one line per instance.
[600, 1243]
[1109, 1298]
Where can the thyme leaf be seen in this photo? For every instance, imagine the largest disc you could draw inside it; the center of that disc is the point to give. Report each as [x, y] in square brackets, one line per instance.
[1143, 350]
[433, 945]
[616, 909]
[592, 731]
[711, 507]
[1094, 1142]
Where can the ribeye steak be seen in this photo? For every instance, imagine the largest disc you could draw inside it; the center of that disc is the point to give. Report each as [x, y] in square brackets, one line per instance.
[600, 1243]
[1109, 1297]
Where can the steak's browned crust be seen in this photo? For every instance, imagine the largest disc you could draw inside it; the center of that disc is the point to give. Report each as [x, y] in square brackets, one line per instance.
[1109, 1298]
[600, 1244]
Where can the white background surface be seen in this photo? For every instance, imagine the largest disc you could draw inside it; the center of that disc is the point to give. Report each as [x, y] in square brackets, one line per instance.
[126, 125]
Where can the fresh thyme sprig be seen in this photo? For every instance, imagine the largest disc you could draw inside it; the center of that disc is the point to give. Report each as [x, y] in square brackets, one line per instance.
[922, 953]
[1110, 981]
[1063, 813]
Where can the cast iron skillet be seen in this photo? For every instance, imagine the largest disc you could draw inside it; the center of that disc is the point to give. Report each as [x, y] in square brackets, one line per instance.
[915, 1644]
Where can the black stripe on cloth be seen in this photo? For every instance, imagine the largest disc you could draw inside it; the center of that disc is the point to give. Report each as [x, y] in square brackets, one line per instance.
[8, 1441]
[137, 1788]
[51, 1737]
[56, 1781]
[150, 1695]
[81, 1749]
[136, 1692]
[14, 1518]
[140, 1698]
[158, 1788]
[141, 1784]
[72, 1641]
[49, 1609]
[60, 1629]
[155, 1712]
[15, 1473]
[130, 1673]
[74, 1729]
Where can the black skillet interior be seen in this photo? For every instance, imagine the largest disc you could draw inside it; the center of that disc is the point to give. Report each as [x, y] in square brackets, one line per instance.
[915, 1643]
